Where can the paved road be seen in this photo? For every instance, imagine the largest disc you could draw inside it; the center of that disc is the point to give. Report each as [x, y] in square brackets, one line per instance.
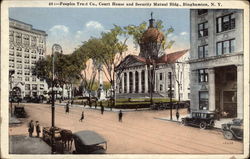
[139, 132]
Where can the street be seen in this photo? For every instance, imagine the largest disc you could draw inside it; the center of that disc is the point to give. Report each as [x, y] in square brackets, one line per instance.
[138, 133]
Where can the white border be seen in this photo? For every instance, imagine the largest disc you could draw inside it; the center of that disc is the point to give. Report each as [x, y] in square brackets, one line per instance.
[35, 3]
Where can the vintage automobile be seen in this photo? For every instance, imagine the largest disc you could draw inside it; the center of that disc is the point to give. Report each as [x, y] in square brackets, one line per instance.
[233, 130]
[203, 118]
[19, 112]
[89, 142]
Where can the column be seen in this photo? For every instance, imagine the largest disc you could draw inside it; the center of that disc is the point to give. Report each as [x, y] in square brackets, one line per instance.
[127, 82]
[211, 89]
[146, 79]
[240, 91]
[133, 73]
[155, 79]
[122, 80]
[139, 81]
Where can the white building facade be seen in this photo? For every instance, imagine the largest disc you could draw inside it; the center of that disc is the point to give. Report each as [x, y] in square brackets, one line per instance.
[216, 61]
[134, 81]
[26, 46]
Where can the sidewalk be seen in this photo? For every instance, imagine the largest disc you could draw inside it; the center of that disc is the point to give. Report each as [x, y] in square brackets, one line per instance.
[13, 120]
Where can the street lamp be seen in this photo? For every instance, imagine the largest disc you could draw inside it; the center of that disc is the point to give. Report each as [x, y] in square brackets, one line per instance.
[55, 48]
[11, 72]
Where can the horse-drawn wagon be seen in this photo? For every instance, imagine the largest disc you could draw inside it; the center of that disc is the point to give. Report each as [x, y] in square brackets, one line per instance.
[85, 142]
[63, 138]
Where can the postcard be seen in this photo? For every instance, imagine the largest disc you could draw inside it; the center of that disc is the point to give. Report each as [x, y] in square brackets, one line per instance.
[124, 79]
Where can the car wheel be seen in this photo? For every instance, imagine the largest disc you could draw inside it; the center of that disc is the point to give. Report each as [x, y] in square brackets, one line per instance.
[203, 125]
[228, 135]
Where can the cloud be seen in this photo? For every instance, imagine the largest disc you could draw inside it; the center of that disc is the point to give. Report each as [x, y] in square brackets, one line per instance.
[183, 33]
[91, 29]
[95, 25]
[59, 28]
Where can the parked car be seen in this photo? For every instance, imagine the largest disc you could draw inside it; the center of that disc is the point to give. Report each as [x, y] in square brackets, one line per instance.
[89, 142]
[233, 130]
[19, 112]
[203, 119]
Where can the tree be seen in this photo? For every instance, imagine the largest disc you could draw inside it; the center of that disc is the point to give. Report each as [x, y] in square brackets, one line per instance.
[113, 53]
[67, 69]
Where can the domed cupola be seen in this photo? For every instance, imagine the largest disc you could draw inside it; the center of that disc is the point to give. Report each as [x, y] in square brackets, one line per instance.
[151, 41]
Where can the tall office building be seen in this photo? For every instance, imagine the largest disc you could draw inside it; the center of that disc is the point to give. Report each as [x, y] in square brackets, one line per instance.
[26, 46]
[216, 63]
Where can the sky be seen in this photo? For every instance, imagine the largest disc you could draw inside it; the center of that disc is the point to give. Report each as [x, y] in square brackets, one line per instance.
[69, 27]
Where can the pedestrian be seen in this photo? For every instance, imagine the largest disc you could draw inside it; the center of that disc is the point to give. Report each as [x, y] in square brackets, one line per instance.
[95, 104]
[31, 128]
[82, 117]
[67, 108]
[120, 116]
[217, 112]
[177, 115]
[102, 108]
[38, 129]
[72, 102]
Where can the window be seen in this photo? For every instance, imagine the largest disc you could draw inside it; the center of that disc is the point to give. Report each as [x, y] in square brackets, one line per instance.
[203, 100]
[41, 86]
[33, 62]
[19, 49]
[202, 11]
[27, 86]
[225, 47]
[11, 36]
[18, 38]
[27, 61]
[19, 72]
[11, 65]
[19, 60]
[19, 66]
[33, 79]
[26, 56]
[19, 54]
[169, 73]
[225, 23]
[11, 59]
[26, 67]
[11, 53]
[34, 87]
[161, 87]
[203, 75]
[27, 73]
[27, 79]
[33, 56]
[161, 76]
[203, 51]
[203, 29]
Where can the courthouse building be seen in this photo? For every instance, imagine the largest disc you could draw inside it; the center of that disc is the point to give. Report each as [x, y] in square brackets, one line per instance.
[216, 61]
[133, 77]
[26, 46]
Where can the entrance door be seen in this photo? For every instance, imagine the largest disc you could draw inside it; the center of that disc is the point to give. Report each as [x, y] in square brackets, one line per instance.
[230, 103]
